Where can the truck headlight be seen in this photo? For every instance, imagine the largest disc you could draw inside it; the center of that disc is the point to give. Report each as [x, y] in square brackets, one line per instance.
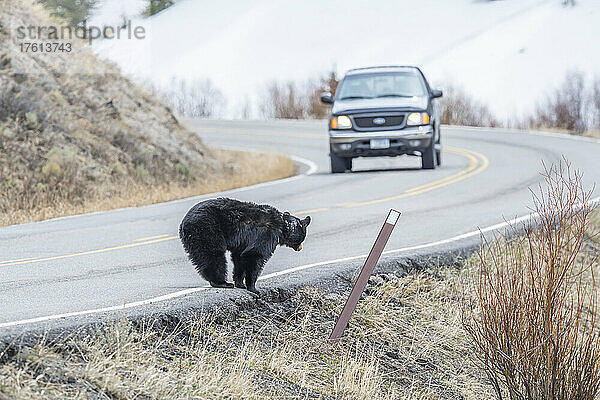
[417, 119]
[341, 122]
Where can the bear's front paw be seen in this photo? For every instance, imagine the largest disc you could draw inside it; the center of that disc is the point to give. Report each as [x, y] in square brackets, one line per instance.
[222, 285]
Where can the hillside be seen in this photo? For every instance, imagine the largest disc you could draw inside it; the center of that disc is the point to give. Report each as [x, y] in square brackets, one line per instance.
[74, 132]
[503, 53]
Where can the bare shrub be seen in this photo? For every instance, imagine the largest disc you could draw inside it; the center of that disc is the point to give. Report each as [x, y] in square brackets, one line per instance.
[194, 99]
[530, 305]
[595, 105]
[565, 108]
[316, 109]
[297, 100]
[459, 108]
[283, 101]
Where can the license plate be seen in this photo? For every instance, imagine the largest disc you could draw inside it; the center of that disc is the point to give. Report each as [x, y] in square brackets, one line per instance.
[380, 144]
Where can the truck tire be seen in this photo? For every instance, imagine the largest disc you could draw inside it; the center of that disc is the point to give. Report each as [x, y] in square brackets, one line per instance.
[428, 157]
[348, 162]
[338, 164]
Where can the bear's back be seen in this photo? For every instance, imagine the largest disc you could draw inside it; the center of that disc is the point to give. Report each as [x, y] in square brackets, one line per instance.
[233, 215]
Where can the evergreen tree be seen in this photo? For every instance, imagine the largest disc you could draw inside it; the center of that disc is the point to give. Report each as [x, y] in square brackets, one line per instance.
[74, 11]
[156, 6]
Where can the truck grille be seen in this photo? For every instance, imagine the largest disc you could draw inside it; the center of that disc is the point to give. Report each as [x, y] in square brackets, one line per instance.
[384, 121]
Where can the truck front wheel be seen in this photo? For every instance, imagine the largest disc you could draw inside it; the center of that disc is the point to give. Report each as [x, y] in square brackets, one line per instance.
[428, 158]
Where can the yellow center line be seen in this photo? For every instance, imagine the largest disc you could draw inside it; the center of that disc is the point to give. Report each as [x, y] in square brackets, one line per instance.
[150, 238]
[85, 253]
[477, 163]
[20, 259]
[314, 211]
[473, 164]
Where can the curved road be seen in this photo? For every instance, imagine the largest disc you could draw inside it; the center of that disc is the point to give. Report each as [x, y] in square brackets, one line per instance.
[80, 266]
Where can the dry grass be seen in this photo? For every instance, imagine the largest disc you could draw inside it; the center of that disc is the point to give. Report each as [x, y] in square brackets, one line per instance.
[405, 342]
[593, 134]
[238, 169]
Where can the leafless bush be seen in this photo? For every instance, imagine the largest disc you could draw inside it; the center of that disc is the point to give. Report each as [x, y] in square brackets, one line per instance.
[458, 108]
[297, 100]
[283, 101]
[565, 108]
[316, 109]
[530, 305]
[595, 105]
[194, 99]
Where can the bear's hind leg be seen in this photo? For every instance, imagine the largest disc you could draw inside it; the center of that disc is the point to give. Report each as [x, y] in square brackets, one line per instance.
[213, 267]
[239, 271]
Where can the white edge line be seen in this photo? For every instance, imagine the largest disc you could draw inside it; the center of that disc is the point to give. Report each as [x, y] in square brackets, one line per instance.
[558, 135]
[186, 292]
[312, 169]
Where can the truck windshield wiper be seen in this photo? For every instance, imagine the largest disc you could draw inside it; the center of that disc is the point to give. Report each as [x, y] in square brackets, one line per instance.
[355, 97]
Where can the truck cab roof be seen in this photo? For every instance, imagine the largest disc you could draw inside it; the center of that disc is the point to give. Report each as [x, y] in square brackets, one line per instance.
[383, 69]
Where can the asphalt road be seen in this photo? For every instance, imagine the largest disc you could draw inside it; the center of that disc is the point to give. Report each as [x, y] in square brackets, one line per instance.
[85, 265]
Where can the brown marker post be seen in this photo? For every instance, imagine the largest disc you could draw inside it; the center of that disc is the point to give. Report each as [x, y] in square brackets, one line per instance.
[363, 277]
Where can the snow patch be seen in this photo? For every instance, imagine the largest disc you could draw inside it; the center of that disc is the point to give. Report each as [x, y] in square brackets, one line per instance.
[508, 54]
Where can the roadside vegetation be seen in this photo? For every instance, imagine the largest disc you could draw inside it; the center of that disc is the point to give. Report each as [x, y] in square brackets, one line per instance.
[298, 100]
[197, 99]
[458, 108]
[531, 303]
[405, 341]
[516, 321]
[573, 107]
[76, 137]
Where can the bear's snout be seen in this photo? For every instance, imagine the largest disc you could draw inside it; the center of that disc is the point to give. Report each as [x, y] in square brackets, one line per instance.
[299, 247]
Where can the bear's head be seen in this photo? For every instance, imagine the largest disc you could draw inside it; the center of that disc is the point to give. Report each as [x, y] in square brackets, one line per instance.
[294, 231]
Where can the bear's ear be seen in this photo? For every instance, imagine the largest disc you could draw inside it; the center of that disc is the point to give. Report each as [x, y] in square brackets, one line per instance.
[306, 221]
[287, 213]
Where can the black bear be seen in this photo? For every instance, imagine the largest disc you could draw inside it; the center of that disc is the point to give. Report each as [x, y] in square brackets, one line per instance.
[250, 231]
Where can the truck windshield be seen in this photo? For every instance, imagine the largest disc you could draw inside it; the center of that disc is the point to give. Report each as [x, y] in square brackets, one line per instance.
[368, 86]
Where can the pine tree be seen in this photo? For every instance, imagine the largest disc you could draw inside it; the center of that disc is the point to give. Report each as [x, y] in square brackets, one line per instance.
[74, 11]
[156, 6]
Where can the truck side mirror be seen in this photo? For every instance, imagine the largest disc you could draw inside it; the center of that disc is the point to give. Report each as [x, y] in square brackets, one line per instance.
[326, 98]
[436, 93]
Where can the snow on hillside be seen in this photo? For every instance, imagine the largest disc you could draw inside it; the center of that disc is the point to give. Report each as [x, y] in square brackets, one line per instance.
[508, 54]
[113, 12]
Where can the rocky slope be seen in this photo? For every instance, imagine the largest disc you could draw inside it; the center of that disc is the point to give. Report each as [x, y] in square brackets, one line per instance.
[73, 130]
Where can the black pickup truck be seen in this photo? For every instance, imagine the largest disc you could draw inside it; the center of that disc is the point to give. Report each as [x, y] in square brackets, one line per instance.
[383, 111]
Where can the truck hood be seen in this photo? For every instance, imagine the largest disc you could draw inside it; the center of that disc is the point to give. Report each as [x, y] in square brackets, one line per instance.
[342, 106]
